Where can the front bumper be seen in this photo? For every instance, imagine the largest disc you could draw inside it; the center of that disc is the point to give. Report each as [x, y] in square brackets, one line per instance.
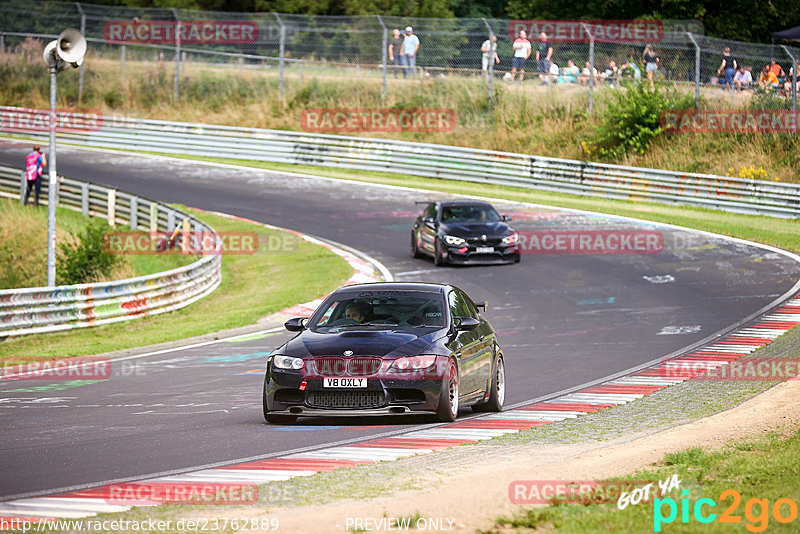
[502, 254]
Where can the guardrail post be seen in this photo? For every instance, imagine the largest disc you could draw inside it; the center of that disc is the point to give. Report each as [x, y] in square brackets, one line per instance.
[177, 54]
[112, 207]
[794, 86]
[696, 70]
[22, 187]
[153, 217]
[83, 32]
[133, 220]
[170, 221]
[384, 45]
[282, 50]
[85, 199]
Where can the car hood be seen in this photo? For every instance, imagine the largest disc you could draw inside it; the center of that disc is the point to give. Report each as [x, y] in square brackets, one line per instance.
[492, 229]
[363, 342]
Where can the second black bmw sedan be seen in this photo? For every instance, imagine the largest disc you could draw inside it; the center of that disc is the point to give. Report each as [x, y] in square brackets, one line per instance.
[387, 348]
[464, 232]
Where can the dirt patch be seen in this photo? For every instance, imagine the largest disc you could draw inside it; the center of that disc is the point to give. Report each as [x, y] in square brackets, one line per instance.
[472, 495]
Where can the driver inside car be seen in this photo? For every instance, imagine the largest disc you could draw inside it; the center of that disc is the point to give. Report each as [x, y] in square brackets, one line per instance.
[356, 312]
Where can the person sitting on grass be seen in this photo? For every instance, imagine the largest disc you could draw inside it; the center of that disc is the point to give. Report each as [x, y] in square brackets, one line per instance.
[743, 79]
[569, 74]
[768, 80]
[586, 73]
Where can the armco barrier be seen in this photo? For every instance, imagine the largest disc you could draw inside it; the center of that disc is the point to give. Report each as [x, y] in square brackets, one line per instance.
[44, 309]
[440, 161]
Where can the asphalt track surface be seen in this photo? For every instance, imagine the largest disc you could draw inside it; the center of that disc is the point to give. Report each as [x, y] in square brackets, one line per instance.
[563, 320]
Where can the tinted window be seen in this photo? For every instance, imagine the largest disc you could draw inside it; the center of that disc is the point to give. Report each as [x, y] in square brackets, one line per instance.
[461, 306]
[431, 211]
[469, 213]
[378, 309]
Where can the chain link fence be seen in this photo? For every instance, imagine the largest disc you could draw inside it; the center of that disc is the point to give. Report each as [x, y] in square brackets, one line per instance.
[297, 48]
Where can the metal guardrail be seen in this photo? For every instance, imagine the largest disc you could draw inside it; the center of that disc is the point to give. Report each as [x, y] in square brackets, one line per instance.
[44, 309]
[441, 161]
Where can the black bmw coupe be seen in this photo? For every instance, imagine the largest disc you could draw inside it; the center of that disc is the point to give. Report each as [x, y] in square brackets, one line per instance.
[464, 232]
[387, 348]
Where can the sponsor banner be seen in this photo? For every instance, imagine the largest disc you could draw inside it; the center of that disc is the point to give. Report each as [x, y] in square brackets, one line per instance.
[38, 120]
[732, 120]
[579, 31]
[755, 369]
[577, 491]
[188, 31]
[79, 368]
[590, 242]
[197, 243]
[199, 493]
[377, 120]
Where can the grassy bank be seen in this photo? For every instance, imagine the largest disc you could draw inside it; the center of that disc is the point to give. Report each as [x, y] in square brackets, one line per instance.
[253, 286]
[23, 247]
[530, 119]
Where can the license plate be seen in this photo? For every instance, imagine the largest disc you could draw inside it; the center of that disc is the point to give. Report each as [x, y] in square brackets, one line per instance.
[344, 382]
[484, 250]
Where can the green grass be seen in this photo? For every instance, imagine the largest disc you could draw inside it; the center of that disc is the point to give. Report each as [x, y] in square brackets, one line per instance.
[253, 286]
[782, 233]
[764, 468]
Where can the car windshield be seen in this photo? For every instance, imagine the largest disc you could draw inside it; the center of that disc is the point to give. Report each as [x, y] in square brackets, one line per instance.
[381, 309]
[469, 214]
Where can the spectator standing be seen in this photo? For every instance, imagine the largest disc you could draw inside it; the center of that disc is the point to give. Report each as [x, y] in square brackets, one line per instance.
[544, 55]
[729, 67]
[409, 50]
[489, 49]
[522, 51]
[651, 64]
[395, 46]
[788, 85]
[34, 165]
[742, 79]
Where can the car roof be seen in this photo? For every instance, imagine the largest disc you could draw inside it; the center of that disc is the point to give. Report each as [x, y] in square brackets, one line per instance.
[398, 286]
[464, 203]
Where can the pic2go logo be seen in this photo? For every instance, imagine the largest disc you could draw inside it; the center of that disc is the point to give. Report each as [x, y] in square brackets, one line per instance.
[756, 511]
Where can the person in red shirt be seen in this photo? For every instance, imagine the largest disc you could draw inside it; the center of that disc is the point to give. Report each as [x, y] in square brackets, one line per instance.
[777, 70]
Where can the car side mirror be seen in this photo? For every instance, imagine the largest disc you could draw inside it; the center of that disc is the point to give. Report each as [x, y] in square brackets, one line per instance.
[296, 324]
[466, 323]
[482, 305]
[506, 218]
[429, 221]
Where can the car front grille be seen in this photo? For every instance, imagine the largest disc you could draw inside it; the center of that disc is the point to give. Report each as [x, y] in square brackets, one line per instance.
[490, 242]
[345, 399]
[337, 366]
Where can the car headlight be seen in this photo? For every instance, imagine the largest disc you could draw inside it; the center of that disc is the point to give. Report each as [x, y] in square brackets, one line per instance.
[414, 363]
[511, 239]
[453, 240]
[287, 362]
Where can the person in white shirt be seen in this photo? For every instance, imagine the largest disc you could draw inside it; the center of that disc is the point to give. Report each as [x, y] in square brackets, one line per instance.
[489, 49]
[522, 51]
[742, 79]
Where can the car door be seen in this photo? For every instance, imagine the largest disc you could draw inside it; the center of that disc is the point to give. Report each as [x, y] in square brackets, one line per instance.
[468, 345]
[427, 228]
[487, 340]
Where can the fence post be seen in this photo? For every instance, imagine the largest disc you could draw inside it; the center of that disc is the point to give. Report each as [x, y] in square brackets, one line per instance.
[177, 54]
[384, 51]
[170, 221]
[112, 207]
[591, 67]
[85, 199]
[133, 220]
[492, 51]
[122, 58]
[794, 86]
[22, 187]
[696, 70]
[282, 50]
[2, 43]
[153, 217]
[83, 32]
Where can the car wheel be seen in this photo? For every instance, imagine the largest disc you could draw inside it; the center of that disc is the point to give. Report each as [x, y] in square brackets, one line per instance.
[497, 391]
[414, 248]
[448, 397]
[439, 257]
[271, 417]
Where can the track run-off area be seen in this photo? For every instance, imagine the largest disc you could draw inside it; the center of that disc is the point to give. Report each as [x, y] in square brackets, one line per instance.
[564, 321]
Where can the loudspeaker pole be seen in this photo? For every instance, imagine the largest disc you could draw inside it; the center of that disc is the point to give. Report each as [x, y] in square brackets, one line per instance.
[52, 184]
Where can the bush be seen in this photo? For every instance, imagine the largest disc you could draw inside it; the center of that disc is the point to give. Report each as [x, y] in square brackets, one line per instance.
[632, 119]
[87, 260]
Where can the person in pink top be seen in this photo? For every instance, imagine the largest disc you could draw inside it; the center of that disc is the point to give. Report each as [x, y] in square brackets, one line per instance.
[522, 51]
[34, 164]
